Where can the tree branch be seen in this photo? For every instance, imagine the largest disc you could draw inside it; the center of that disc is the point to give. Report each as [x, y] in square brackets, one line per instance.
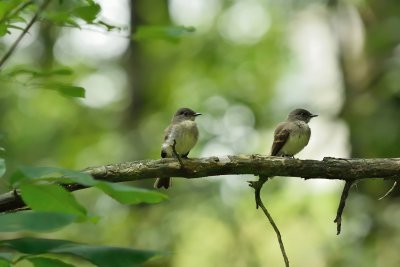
[18, 40]
[328, 168]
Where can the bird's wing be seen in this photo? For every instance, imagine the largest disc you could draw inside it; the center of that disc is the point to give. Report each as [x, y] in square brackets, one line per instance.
[308, 133]
[167, 134]
[281, 135]
[196, 132]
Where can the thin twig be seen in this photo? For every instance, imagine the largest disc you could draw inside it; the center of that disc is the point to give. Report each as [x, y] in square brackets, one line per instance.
[100, 30]
[177, 155]
[257, 185]
[342, 204]
[18, 40]
[388, 192]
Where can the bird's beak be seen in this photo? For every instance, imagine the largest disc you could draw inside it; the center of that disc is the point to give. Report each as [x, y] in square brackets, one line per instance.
[197, 114]
[313, 115]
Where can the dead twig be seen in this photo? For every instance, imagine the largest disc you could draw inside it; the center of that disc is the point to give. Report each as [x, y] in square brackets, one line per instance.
[388, 192]
[342, 204]
[257, 185]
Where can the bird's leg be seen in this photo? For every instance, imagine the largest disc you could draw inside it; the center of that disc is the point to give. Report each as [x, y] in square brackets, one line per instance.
[177, 155]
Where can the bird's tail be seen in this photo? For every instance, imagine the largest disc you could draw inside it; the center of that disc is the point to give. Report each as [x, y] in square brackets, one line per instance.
[163, 182]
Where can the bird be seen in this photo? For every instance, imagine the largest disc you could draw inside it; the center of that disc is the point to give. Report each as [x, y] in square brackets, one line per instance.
[293, 134]
[182, 135]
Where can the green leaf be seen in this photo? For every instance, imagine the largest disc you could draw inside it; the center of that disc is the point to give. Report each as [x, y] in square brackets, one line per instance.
[6, 258]
[28, 173]
[102, 256]
[17, 18]
[3, 29]
[76, 176]
[34, 221]
[87, 13]
[61, 18]
[171, 33]
[6, 7]
[31, 245]
[122, 193]
[47, 262]
[4, 263]
[38, 73]
[130, 195]
[2, 167]
[52, 198]
[68, 90]
[49, 173]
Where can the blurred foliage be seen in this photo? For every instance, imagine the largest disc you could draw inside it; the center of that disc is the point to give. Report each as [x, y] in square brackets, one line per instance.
[247, 64]
[101, 256]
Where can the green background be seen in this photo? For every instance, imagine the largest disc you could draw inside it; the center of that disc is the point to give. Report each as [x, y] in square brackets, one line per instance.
[247, 64]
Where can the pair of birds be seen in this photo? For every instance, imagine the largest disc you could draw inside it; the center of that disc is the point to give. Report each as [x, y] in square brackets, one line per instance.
[290, 136]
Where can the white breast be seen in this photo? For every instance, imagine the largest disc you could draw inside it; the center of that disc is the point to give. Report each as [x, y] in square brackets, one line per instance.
[185, 134]
[187, 139]
[298, 139]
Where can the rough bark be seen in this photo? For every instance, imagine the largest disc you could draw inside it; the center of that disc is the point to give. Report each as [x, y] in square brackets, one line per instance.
[328, 168]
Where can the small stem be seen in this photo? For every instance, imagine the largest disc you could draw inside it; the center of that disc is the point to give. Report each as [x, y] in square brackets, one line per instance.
[388, 192]
[342, 204]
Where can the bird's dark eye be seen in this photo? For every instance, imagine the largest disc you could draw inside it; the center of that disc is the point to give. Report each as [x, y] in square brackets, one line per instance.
[186, 113]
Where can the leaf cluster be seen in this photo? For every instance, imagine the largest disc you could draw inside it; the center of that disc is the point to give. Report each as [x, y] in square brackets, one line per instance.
[51, 206]
[44, 190]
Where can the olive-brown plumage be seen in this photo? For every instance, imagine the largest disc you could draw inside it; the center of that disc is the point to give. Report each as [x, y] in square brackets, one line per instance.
[184, 133]
[293, 134]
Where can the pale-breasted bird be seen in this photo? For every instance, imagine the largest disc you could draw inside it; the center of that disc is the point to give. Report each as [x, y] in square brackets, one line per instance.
[293, 134]
[182, 134]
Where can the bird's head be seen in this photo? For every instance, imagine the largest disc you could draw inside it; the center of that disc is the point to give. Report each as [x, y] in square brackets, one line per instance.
[185, 114]
[301, 114]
